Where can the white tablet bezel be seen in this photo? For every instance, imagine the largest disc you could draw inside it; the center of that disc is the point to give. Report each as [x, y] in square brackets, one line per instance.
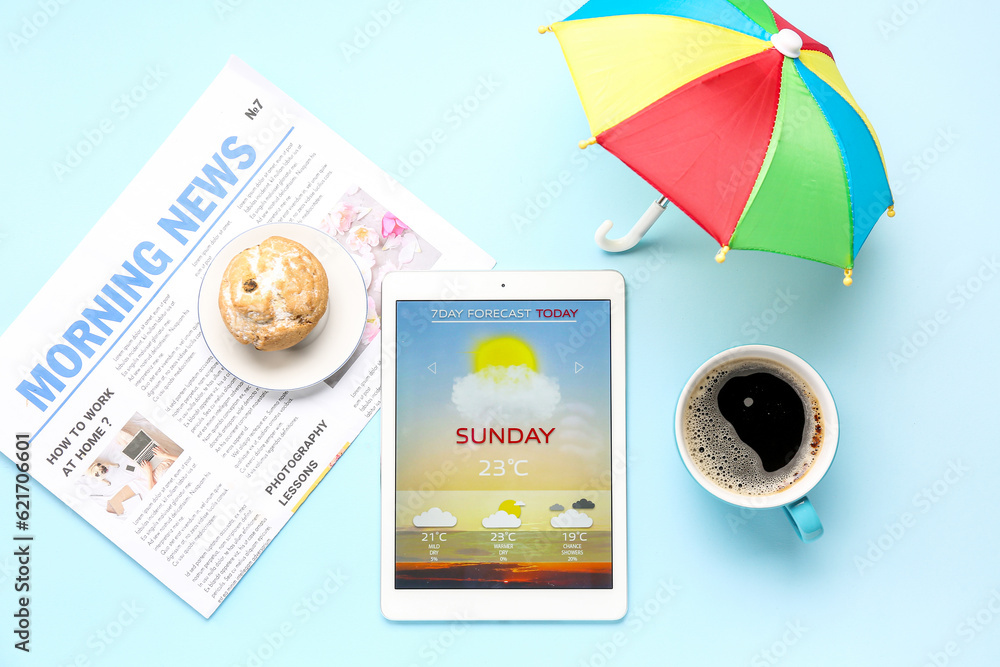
[510, 604]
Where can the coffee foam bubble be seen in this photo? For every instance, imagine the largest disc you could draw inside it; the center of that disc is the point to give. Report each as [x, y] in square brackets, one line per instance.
[716, 449]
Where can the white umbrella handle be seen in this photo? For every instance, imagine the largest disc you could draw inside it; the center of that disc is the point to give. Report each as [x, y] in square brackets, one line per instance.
[628, 241]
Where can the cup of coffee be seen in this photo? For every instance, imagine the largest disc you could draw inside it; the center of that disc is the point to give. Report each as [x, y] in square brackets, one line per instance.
[757, 427]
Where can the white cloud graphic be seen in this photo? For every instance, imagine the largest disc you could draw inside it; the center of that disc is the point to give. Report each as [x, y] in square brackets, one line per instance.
[505, 395]
[501, 519]
[572, 519]
[578, 435]
[574, 422]
[435, 517]
[581, 409]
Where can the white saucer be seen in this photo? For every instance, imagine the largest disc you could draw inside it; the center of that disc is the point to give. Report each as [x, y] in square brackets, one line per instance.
[328, 346]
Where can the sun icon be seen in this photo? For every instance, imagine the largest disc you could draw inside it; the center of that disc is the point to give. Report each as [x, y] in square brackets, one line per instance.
[508, 515]
[503, 351]
[512, 507]
[504, 386]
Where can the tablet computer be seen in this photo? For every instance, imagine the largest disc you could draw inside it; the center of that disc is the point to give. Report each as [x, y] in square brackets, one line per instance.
[503, 446]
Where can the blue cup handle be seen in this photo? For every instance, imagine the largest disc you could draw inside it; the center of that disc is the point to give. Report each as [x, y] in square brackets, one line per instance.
[804, 519]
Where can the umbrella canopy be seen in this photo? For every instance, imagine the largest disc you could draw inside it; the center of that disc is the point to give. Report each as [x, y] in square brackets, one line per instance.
[739, 118]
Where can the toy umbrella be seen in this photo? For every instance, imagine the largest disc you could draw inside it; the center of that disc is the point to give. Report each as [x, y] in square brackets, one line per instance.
[740, 119]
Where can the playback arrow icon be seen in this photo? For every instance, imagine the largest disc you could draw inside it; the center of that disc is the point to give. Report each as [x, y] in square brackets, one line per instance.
[433, 368]
[579, 366]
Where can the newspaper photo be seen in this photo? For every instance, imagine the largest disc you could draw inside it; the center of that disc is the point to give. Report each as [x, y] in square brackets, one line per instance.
[114, 401]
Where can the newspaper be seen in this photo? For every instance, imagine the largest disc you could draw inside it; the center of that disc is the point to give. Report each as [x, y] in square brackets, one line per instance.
[110, 387]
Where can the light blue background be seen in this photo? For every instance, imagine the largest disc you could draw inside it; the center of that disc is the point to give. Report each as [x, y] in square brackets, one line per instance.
[707, 586]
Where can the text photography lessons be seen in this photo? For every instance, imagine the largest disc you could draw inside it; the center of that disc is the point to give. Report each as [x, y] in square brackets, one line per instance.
[131, 419]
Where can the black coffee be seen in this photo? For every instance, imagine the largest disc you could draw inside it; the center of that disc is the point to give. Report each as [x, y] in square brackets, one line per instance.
[768, 416]
[753, 426]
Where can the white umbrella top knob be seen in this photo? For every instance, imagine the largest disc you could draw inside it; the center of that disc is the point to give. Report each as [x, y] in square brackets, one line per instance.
[788, 42]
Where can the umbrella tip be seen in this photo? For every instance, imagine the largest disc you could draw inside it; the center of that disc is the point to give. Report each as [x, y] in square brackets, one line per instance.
[848, 280]
[787, 42]
[720, 256]
[586, 142]
[542, 29]
[891, 212]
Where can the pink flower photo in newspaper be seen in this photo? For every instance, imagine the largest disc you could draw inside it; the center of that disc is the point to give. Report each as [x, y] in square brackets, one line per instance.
[379, 243]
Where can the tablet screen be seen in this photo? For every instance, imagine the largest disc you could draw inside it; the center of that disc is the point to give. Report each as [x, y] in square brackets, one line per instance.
[503, 444]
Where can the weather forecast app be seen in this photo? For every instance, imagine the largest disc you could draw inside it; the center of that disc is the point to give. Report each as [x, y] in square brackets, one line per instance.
[503, 437]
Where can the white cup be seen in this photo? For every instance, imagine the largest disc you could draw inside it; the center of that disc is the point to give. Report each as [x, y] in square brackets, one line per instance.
[793, 498]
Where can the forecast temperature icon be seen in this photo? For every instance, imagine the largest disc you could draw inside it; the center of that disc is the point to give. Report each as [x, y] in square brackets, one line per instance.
[508, 515]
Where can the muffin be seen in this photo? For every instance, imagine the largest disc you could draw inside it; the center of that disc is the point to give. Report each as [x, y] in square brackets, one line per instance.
[273, 294]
